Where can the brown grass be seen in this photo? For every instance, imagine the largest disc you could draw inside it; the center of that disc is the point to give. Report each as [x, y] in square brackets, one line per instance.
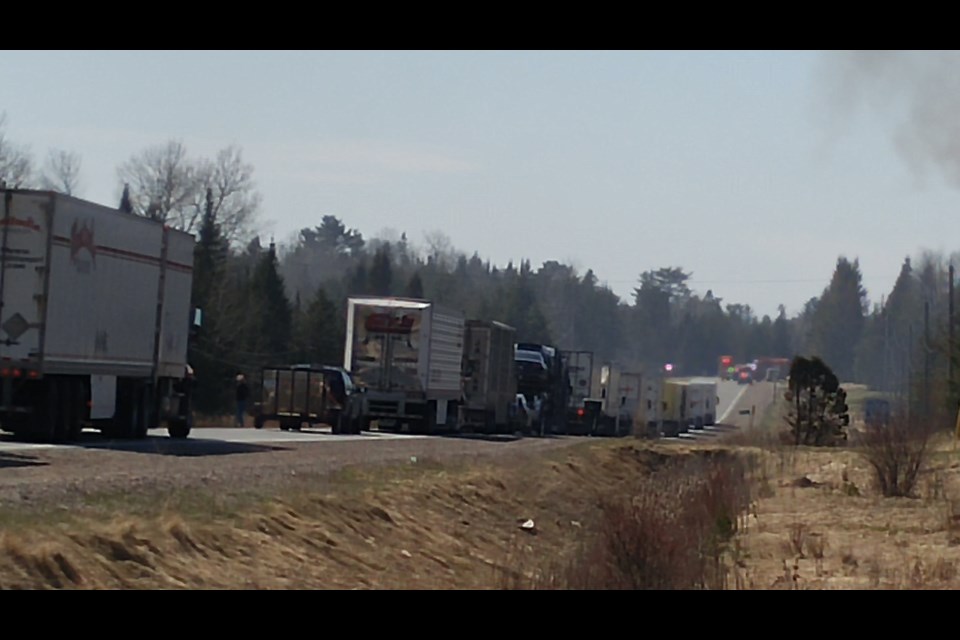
[836, 530]
[672, 530]
[413, 525]
[607, 515]
[897, 453]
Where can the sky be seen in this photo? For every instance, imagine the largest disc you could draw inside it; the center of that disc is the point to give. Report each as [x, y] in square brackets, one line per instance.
[752, 170]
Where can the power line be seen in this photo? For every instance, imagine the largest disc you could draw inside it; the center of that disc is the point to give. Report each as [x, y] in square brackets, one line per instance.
[769, 281]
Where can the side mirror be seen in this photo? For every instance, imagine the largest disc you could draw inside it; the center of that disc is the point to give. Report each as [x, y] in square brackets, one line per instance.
[196, 320]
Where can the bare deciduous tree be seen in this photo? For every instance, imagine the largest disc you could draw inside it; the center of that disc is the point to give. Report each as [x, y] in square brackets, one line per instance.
[167, 185]
[236, 202]
[440, 249]
[164, 185]
[16, 166]
[61, 172]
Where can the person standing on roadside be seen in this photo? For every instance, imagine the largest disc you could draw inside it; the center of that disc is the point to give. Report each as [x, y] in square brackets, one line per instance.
[243, 392]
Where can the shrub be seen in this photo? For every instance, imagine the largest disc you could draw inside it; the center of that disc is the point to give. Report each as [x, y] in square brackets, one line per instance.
[674, 531]
[896, 452]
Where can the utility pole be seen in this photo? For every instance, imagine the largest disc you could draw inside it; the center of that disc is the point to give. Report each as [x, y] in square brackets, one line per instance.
[950, 339]
[910, 363]
[886, 343]
[926, 359]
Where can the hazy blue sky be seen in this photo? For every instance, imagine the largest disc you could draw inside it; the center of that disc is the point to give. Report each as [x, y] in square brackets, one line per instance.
[753, 170]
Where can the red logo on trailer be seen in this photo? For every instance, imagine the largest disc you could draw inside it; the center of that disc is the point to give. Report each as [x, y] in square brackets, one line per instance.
[81, 237]
[19, 222]
[386, 323]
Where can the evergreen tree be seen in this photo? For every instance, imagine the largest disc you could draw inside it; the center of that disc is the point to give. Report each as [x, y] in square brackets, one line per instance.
[414, 287]
[381, 272]
[270, 310]
[839, 319]
[209, 351]
[125, 205]
[320, 332]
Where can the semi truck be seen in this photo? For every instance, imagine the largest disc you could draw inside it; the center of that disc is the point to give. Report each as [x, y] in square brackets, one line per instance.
[489, 378]
[673, 402]
[648, 423]
[551, 390]
[407, 354]
[617, 400]
[705, 411]
[95, 319]
[579, 367]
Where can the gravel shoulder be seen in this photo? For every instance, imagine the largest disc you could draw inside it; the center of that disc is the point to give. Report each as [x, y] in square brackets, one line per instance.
[68, 477]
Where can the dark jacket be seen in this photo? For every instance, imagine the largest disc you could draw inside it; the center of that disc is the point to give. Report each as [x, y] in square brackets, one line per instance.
[243, 391]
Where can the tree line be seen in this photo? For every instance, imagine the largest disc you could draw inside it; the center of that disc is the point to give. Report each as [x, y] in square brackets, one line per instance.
[266, 302]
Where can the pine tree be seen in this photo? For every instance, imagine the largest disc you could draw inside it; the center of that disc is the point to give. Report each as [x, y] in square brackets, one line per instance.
[209, 351]
[125, 205]
[271, 310]
[414, 287]
[381, 272]
[320, 332]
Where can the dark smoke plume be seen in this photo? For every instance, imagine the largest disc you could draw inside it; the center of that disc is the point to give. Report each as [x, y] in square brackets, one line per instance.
[920, 89]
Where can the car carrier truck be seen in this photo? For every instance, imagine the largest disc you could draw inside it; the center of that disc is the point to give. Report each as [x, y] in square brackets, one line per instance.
[406, 353]
[95, 319]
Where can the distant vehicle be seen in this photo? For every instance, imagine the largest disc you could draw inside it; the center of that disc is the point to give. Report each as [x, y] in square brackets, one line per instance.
[531, 368]
[648, 421]
[549, 385]
[299, 394]
[876, 412]
[707, 399]
[674, 414]
[579, 365]
[726, 370]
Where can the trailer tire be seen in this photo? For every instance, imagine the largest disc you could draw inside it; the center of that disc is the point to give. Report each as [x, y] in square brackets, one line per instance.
[48, 410]
[178, 429]
[73, 408]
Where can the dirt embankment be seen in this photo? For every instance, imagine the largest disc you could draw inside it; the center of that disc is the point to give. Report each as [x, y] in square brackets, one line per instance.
[419, 524]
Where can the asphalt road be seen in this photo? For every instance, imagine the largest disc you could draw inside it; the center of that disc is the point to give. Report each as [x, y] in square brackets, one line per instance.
[729, 393]
[203, 437]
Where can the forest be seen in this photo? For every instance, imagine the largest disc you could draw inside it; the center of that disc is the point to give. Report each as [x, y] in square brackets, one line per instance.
[268, 302]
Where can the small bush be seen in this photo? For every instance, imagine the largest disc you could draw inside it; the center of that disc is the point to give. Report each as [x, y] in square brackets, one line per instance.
[897, 453]
[674, 531]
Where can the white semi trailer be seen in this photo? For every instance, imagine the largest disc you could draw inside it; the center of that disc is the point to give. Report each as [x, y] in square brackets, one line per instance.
[406, 355]
[95, 319]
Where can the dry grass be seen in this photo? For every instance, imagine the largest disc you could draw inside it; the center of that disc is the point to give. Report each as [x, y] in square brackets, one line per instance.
[415, 525]
[672, 530]
[673, 515]
[828, 523]
[897, 453]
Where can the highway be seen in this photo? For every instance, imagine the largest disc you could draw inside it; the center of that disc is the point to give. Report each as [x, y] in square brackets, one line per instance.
[729, 393]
